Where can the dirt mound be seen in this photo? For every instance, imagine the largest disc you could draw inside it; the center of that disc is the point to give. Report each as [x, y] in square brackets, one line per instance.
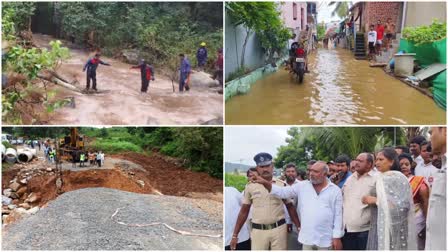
[7, 176]
[45, 185]
[170, 179]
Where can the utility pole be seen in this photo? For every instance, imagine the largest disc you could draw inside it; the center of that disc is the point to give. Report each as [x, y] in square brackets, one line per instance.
[58, 168]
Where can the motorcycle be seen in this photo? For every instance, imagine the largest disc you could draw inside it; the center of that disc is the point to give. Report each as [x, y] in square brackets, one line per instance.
[299, 68]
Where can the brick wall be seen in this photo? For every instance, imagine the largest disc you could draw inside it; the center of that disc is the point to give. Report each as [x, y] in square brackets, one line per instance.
[375, 11]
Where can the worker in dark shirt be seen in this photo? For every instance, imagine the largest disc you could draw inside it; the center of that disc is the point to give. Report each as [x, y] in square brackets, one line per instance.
[91, 66]
[147, 73]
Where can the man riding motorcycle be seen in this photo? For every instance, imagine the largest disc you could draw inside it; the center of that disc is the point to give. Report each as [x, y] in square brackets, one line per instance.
[292, 54]
[297, 51]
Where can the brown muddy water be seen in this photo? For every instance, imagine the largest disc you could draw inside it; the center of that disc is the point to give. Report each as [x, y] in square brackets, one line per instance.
[338, 90]
[120, 101]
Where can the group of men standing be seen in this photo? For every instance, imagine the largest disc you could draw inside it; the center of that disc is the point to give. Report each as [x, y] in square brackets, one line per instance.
[340, 209]
[147, 70]
[92, 157]
[380, 37]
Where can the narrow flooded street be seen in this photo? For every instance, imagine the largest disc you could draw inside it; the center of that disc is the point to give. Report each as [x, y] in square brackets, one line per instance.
[338, 90]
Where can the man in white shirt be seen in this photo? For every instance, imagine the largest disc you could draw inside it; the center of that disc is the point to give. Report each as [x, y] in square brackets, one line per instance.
[319, 203]
[425, 168]
[436, 220]
[356, 215]
[291, 40]
[414, 148]
[232, 208]
[371, 38]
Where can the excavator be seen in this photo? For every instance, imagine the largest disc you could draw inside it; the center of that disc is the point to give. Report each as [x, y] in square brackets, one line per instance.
[70, 144]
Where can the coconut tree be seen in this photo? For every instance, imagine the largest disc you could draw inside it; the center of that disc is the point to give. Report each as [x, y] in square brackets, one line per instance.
[332, 141]
[340, 8]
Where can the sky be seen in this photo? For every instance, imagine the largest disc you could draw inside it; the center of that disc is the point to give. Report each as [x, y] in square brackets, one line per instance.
[245, 142]
[324, 12]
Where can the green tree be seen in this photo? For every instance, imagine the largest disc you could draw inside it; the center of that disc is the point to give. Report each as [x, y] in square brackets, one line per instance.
[304, 144]
[340, 8]
[321, 31]
[22, 13]
[263, 18]
[28, 63]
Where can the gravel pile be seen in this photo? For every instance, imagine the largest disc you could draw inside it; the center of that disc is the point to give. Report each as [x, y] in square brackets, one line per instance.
[81, 220]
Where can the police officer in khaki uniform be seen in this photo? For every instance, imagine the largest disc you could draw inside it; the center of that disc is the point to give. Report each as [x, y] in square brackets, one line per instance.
[268, 226]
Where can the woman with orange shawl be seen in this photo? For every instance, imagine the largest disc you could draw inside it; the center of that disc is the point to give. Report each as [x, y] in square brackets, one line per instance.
[420, 194]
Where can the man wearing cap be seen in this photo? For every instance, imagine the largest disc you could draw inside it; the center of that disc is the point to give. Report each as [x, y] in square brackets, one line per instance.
[147, 73]
[269, 230]
[91, 66]
[201, 56]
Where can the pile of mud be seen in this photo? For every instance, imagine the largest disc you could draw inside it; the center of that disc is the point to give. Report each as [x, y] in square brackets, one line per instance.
[172, 179]
[28, 187]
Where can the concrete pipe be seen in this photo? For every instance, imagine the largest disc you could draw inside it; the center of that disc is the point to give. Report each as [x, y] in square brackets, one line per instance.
[3, 151]
[33, 151]
[24, 156]
[11, 155]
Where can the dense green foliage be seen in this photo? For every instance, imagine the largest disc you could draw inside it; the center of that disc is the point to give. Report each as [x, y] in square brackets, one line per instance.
[36, 132]
[7, 145]
[263, 18]
[320, 31]
[28, 62]
[8, 29]
[425, 33]
[200, 147]
[17, 13]
[159, 30]
[304, 144]
[340, 8]
[114, 146]
[237, 181]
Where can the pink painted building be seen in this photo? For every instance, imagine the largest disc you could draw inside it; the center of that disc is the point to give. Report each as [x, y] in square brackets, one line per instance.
[294, 15]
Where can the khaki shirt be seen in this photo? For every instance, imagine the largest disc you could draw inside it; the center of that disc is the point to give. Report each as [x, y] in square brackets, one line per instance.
[356, 215]
[266, 208]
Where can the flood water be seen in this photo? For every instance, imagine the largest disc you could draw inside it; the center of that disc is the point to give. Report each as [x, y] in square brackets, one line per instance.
[121, 102]
[338, 90]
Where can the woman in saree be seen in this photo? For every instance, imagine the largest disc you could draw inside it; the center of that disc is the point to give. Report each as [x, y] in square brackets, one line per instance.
[420, 194]
[392, 228]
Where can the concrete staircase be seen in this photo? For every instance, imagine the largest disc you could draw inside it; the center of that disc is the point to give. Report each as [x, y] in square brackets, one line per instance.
[360, 48]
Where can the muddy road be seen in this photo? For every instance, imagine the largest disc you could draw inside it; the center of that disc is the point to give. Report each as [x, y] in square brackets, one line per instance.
[119, 101]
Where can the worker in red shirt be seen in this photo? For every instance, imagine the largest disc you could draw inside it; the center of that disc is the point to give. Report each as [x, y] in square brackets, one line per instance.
[219, 67]
[147, 74]
[379, 37]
